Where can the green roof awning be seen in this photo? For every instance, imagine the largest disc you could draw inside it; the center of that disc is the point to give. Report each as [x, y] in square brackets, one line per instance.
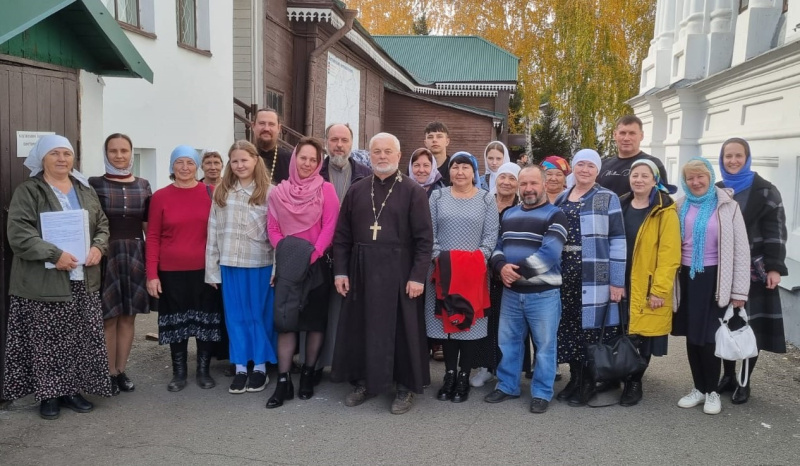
[72, 33]
[453, 59]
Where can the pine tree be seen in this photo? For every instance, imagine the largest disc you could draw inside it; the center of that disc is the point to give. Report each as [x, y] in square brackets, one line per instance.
[549, 137]
[420, 26]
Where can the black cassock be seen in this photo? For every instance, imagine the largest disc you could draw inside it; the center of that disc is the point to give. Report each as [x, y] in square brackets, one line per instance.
[381, 336]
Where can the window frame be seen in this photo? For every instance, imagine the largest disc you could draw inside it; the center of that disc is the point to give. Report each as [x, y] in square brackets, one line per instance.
[272, 98]
[179, 17]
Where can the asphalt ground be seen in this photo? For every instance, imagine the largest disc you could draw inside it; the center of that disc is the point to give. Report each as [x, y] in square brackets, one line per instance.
[199, 427]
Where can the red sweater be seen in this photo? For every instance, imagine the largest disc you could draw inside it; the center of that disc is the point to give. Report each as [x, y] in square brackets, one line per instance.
[177, 229]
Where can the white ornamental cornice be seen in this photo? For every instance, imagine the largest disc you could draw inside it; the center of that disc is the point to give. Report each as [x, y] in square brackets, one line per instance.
[310, 14]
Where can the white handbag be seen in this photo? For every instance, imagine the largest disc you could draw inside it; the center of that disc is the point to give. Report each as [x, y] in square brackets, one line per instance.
[736, 345]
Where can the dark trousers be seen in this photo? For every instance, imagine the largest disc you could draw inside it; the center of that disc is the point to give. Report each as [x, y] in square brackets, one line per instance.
[704, 365]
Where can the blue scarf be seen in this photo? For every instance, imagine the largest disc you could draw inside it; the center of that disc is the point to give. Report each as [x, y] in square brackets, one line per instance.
[706, 205]
[466, 157]
[739, 181]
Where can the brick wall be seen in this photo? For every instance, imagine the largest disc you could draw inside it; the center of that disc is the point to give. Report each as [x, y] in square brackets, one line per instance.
[406, 118]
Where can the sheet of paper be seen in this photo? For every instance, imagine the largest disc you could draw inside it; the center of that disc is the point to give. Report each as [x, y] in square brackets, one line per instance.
[69, 231]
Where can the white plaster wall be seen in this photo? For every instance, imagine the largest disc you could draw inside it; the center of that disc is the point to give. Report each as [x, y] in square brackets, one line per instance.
[91, 127]
[191, 98]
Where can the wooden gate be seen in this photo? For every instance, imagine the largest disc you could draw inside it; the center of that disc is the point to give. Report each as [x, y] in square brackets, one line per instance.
[33, 97]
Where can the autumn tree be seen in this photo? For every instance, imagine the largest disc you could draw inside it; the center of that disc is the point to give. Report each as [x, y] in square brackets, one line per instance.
[420, 26]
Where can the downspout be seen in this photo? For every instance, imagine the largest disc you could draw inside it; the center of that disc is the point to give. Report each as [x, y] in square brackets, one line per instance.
[349, 19]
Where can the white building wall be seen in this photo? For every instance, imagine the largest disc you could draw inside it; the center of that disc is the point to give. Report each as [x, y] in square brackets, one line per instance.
[190, 100]
[748, 85]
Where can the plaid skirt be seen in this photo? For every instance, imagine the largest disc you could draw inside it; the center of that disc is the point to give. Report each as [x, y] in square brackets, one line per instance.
[124, 286]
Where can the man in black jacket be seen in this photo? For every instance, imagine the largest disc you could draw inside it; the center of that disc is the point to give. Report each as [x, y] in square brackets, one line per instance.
[628, 135]
[267, 131]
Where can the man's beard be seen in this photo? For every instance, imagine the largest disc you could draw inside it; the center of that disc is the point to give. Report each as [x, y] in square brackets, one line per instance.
[262, 144]
[387, 171]
[533, 202]
[338, 161]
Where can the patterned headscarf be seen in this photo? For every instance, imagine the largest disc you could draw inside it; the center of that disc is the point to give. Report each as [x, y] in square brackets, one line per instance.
[433, 176]
[666, 188]
[554, 162]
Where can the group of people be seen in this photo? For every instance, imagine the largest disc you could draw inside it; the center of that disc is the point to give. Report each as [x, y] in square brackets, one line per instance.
[370, 271]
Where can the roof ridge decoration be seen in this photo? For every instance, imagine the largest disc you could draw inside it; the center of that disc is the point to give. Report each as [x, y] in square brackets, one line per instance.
[391, 67]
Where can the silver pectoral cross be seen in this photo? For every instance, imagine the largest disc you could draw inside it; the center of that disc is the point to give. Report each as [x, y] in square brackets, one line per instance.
[375, 228]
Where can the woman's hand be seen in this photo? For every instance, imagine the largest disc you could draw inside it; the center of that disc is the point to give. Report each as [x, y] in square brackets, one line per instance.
[94, 256]
[154, 287]
[66, 262]
[656, 302]
[737, 303]
[616, 293]
[773, 280]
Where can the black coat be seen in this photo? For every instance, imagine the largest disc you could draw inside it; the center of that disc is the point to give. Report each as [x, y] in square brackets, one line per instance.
[765, 219]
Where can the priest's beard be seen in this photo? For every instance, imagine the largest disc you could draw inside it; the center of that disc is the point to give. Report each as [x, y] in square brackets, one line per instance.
[385, 171]
[339, 161]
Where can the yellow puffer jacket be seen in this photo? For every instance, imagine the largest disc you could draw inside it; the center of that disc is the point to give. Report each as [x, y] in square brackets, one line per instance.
[656, 259]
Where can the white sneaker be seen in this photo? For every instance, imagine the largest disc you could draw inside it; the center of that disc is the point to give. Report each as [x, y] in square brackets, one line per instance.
[481, 377]
[693, 399]
[713, 404]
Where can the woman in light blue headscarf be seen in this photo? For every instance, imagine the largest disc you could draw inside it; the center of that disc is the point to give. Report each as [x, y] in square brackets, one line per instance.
[715, 272]
[55, 313]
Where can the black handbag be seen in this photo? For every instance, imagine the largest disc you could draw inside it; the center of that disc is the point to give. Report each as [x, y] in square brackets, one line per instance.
[616, 359]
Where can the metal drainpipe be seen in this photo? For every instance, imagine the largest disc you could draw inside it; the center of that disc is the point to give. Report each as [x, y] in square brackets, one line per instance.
[349, 19]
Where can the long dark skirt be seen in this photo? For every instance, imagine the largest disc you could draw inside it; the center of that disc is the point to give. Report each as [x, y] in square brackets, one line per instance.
[698, 314]
[314, 316]
[124, 288]
[56, 348]
[766, 318]
[489, 353]
[188, 307]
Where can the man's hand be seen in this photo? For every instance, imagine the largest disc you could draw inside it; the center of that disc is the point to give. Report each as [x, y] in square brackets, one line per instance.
[342, 285]
[509, 275]
[414, 289]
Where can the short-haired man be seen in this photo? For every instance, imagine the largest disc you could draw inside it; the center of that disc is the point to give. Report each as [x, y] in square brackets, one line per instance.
[339, 168]
[628, 135]
[381, 252]
[211, 163]
[437, 138]
[267, 131]
[528, 260]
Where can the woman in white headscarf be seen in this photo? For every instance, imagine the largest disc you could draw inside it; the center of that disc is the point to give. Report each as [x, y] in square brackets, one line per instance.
[495, 155]
[55, 346]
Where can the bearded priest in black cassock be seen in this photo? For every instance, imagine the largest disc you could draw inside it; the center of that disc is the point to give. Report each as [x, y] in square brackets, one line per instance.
[381, 253]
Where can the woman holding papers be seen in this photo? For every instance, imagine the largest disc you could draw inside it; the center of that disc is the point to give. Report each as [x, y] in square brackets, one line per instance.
[55, 347]
[177, 228]
[124, 199]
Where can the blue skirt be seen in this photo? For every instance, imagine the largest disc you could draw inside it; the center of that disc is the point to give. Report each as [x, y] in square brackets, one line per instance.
[248, 300]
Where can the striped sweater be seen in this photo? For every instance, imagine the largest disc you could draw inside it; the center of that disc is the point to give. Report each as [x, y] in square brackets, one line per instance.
[532, 239]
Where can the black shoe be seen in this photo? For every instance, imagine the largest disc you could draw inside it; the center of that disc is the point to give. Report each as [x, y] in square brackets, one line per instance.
[318, 376]
[305, 389]
[632, 394]
[741, 395]
[179, 370]
[586, 390]
[76, 403]
[203, 374]
[448, 385]
[727, 384]
[256, 382]
[49, 409]
[571, 386]
[114, 385]
[239, 384]
[284, 390]
[461, 392]
[539, 405]
[497, 396]
[125, 383]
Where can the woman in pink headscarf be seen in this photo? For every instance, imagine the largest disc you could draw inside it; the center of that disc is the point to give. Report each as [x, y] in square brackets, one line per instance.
[304, 206]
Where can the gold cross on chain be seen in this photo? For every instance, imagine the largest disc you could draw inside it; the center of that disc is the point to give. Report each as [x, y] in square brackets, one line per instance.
[375, 227]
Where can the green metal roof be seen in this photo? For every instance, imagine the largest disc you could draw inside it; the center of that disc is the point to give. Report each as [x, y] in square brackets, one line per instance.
[73, 33]
[441, 59]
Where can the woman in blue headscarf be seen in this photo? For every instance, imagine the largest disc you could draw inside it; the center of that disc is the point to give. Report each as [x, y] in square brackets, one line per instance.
[55, 347]
[765, 219]
[715, 272]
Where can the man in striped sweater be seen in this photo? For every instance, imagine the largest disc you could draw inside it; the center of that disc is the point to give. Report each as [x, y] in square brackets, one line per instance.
[528, 259]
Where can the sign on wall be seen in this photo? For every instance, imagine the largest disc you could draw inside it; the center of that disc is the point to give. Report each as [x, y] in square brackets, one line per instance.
[342, 101]
[27, 139]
